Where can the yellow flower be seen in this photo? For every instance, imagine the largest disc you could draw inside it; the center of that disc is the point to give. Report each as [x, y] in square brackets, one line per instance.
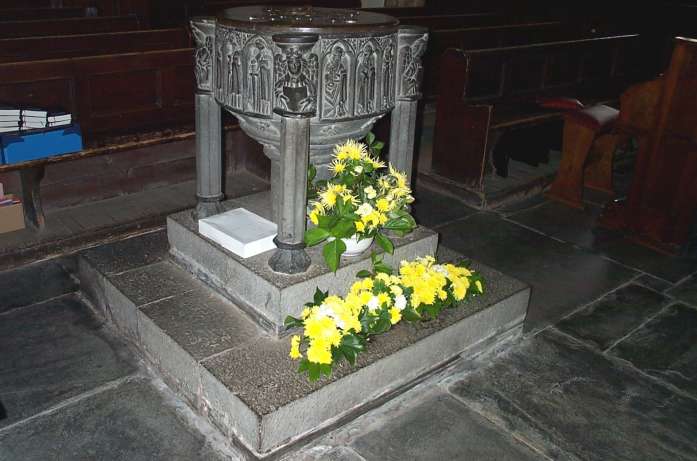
[367, 283]
[306, 313]
[319, 352]
[295, 347]
[384, 298]
[383, 204]
[478, 284]
[337, 166]
[314, 217]
[400, 177]
[360, 227]
[377, 164]
[396, 290]
[350, 150]
[370, 192]
[328, 198]
[395, 315]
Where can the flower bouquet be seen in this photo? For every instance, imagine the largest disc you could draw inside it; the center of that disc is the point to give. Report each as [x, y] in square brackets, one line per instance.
[335, 328]
[358, 203]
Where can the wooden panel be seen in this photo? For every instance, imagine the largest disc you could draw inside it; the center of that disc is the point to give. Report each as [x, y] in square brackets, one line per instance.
[24, 14]
[69, 26]
[34, 48]
[108, 94]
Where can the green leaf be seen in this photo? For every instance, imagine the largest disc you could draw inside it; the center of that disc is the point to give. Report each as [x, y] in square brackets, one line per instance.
[292, 322]
[378, 145]
[315, 235]
[332, 252]
[410, 315]
[353, 342]
[313, 370]
[319, 296]
[311, 173]
[327, 221]
[325, 369]
[363, 274]
[344, 228]
[304, 365]
[370, 138]
[350, 354]
[384, 242]
[382, 267]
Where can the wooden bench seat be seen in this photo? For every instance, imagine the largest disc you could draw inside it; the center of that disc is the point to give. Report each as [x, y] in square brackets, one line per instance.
[68, 46]
[490, 90]
[68, 26]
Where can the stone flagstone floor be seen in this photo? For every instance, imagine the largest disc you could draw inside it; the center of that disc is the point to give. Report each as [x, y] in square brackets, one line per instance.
[607, 369]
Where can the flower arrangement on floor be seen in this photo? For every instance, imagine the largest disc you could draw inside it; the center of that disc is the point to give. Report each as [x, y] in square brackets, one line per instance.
[335, 328]
[358, 203]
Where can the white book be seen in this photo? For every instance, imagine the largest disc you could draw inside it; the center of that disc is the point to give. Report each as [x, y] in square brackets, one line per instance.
[34, 113]
[9, 110]
[7, 129]
[240, 231]
[5, 118]
[59, 118]
[59, 123]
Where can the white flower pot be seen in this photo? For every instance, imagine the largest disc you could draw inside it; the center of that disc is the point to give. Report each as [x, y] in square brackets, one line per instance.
[354, 247]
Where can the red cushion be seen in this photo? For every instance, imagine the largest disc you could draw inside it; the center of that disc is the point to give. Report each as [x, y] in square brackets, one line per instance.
[560, 103]
[598, 118]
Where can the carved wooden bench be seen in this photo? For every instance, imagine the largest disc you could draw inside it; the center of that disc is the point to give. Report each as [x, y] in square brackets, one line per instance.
[122, 102]
[484, 92]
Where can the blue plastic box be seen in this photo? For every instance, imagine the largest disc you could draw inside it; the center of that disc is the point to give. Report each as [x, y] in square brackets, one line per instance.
[23, 146]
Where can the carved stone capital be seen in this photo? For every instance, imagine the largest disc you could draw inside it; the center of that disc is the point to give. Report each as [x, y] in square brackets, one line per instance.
[411, 46]
[203, 31]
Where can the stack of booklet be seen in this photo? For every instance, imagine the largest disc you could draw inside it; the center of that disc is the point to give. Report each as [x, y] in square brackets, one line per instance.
[9, 119]
[29, 118]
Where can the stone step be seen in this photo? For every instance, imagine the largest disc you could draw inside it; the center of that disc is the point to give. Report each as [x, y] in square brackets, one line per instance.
[241, 378]
[267, 296]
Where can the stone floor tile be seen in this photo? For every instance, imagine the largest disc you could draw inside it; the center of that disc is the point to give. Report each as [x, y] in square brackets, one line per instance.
[53, 351]
[562, 276]
[670, 268]
[439, 428]
[202, 322]
[34, 283]
[557, 394]
[562, 222]
[431, 209]
[130, 422]
[686, 291]
[666, 347]
[654, 283]
[153, 282]
[130, 253]
[614, 316]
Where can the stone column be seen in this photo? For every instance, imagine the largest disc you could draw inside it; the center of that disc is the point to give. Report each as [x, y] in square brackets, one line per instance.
[295, 103]
[209, 163]
[411, 45]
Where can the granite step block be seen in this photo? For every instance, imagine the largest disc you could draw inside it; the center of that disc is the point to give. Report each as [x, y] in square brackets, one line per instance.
[130, 253]
[243, 381]
[250, 283]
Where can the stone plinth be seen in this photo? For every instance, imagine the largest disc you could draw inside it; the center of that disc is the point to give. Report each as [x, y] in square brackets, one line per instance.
[251, 284]
[242, 379]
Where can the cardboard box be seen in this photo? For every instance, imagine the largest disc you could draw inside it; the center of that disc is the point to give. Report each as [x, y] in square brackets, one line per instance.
[35, 144]
[11, 217]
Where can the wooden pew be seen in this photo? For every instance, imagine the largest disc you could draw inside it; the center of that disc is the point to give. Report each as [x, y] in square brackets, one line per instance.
[68, 46]
[486, 91]
[489, 37]
[24, 14]
[111, 93]
[68, 26]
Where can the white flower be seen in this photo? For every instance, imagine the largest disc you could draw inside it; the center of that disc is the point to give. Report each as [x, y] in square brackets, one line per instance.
[325, 310]
[364, 210]
[358, 169]
[400, 302]
[370, 192]
[373, 304]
